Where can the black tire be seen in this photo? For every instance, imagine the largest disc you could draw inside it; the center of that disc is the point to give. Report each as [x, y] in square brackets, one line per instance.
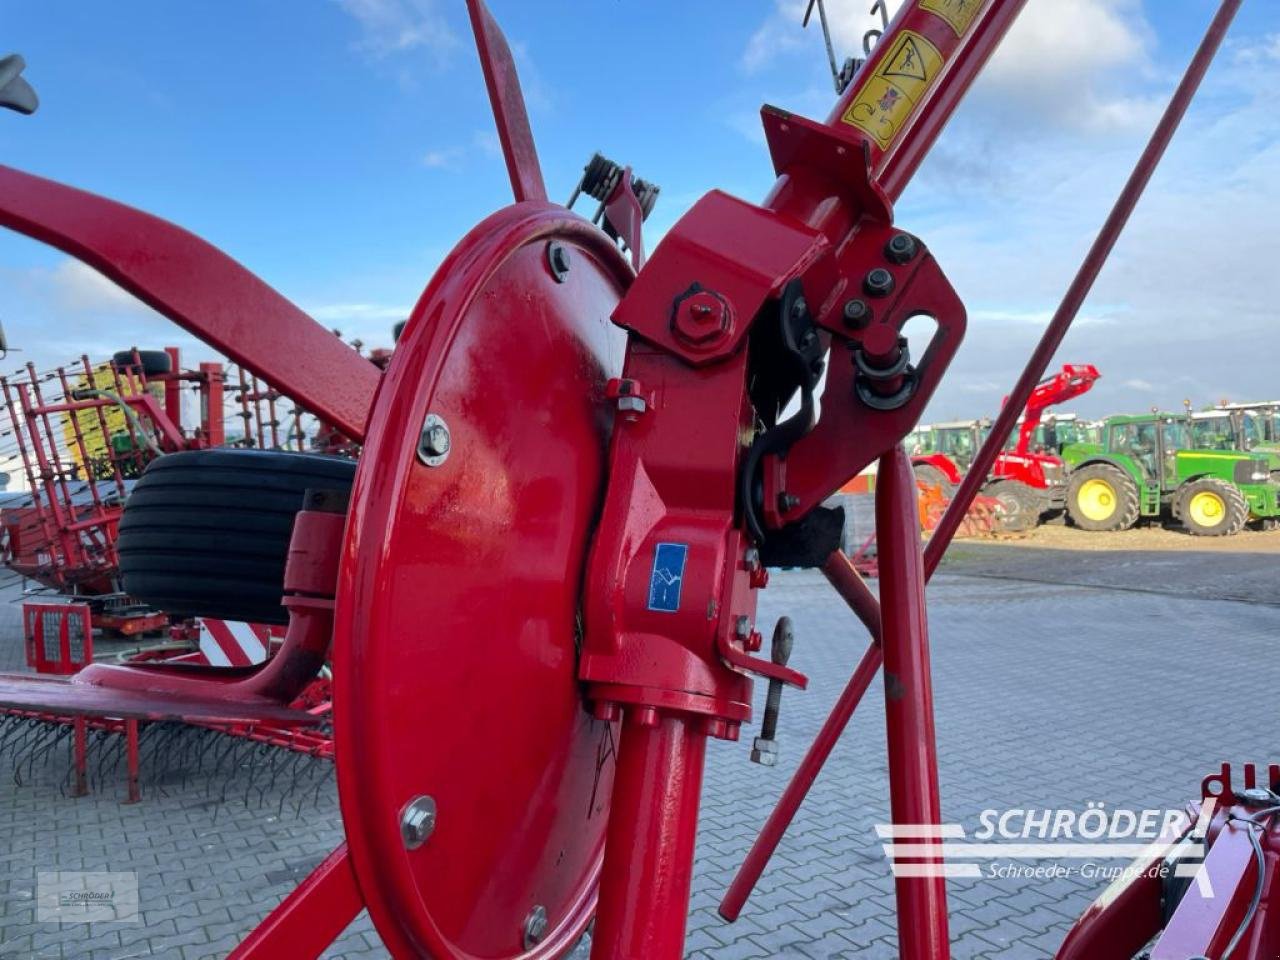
[205, 533]
[1230, 509]
[927, 475]
[1019, 506]
[1124, 497]
[154, 362]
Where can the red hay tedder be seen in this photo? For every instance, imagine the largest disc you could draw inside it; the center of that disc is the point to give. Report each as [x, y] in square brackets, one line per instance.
[534, 631]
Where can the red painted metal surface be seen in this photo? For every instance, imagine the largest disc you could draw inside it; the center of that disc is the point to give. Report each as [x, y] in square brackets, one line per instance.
[508, 105]
[199, 288]
[476, 703]
[521, 364]
[179, 691]
[652, 826]
[908, 694]
[310, 917]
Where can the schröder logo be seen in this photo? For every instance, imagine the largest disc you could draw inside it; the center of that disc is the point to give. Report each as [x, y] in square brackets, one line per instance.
[1089, 843]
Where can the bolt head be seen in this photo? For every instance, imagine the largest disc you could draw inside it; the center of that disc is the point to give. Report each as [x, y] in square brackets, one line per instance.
[799, 308]
[901, 248]
[702, 319]
[535, 926]
[857, 314]
[417, 821]
[435, 442]
[558, 261]
[879, 283]
[742, 627]
[764, 752]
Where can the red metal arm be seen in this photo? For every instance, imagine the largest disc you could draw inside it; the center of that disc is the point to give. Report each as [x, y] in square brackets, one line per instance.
[1073, 380]
[508, 104]
[199, 288]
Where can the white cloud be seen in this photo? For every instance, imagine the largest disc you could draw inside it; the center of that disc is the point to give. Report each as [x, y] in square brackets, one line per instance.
[1059, 63]
[442, 159]
[80, 288]
[1065, 61]
[1264, 51]
[390, 27]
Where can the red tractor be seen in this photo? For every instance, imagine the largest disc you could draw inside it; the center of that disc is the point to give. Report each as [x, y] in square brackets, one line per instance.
[1026, 483]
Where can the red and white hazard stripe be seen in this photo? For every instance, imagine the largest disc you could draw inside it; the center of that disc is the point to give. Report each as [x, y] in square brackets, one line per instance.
[230, 643]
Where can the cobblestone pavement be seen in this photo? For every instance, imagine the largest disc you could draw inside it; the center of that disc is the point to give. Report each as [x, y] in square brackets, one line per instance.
[1047, 696]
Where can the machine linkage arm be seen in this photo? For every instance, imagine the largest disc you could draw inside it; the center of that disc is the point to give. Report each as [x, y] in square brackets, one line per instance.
[202, 290]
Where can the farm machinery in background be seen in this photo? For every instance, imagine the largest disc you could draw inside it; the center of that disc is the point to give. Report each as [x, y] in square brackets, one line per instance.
[1024, 482]
[82, 439]
[622, 491]
[1151, 464]
[1246, 427]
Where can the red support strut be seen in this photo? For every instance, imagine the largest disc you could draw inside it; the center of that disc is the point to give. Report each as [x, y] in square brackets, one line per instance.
[908, 697]
[648, 865]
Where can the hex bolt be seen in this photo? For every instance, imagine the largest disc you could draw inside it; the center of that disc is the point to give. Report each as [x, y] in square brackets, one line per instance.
[535, 926]
[879, 283]
[417, 821]
[742, 627]
[901, 248]
[857, 314]
[764, 750]
[435, 441]
[787, 502]
[799, 308]
[558, 261]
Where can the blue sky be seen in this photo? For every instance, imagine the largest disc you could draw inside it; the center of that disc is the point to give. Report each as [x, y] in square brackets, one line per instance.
[341, 147]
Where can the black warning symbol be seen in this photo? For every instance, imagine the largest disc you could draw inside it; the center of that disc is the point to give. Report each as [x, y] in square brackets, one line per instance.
[906, 62]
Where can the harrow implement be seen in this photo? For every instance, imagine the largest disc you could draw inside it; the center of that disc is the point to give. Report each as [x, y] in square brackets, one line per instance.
[510, 770]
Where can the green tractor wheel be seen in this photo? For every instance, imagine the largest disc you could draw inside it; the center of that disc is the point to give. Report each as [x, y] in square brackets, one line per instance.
[1209, 507]
[1103, 498]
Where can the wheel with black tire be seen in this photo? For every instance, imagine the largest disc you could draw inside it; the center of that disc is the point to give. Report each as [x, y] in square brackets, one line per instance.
[927, 475]
[205, 533]
[154, 363]
[1210, 507]
[1103, 498]
[1018, 506]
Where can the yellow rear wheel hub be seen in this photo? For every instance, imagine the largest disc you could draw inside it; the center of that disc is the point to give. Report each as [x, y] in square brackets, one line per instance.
[1207, 509]
[1097, 500]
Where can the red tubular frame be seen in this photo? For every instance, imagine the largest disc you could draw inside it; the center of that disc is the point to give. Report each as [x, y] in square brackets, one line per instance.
[908, 699]
[644, 888]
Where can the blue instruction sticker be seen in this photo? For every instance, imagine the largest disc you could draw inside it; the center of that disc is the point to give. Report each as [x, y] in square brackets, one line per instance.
[667, 576]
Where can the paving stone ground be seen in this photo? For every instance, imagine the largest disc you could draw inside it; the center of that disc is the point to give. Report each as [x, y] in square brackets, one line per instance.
[1047, 696]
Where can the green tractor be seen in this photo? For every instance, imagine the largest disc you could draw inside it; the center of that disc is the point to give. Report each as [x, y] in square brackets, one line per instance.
[1252, 427]
[1147, 463]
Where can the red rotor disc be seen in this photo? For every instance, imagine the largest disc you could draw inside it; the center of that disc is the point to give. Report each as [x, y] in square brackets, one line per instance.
[457, 624]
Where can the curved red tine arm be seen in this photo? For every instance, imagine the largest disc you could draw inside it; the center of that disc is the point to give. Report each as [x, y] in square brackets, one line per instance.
[1080, 285]
[201, 289]
[509, 112]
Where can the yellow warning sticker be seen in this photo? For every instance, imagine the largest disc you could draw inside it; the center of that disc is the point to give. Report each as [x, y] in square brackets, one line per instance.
[889, 96]
[958, 13]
